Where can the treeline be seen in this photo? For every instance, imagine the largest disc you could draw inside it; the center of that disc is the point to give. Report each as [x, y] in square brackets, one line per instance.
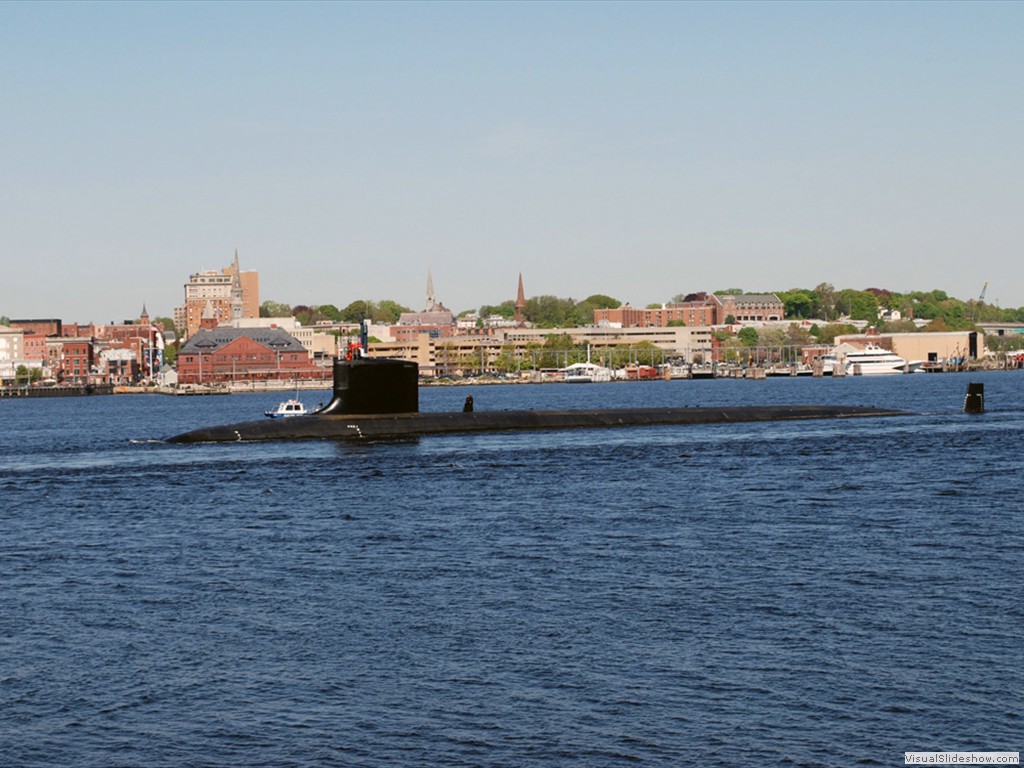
[823, 302]
[541, 311]
[553, 312]
[385, 312]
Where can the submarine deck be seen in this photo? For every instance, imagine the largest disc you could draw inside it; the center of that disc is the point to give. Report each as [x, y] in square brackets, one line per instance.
[382, 426]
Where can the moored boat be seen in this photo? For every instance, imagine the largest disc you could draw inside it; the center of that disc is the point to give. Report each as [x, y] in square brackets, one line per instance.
[586, 373]
[872, 360]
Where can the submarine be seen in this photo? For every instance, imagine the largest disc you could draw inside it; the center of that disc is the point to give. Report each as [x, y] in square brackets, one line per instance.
[378, 398]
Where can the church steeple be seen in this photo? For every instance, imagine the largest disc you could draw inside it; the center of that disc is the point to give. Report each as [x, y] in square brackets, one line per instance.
[237, 302]
[520, 302]
[430, 291]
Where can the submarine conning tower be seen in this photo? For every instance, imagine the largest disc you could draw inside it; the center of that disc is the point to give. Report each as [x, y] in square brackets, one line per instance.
[366, 385]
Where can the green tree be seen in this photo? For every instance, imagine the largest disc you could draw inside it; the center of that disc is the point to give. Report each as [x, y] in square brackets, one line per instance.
[583, 312]
[798, 337]
[858, 305]
[885, 298]
[329, 312]
[932, 305]
[903, 325]
[305, 315]
[826, 295]
[509, 359]
[5, 320]
[556, 347]
[549, 311]
[275, 309]
[799, 302]
[388, 311]
[24, 374]
[602, 301]
[168, 325]
[748, 337]
[826, 334]
[358, 311]
[506, 309]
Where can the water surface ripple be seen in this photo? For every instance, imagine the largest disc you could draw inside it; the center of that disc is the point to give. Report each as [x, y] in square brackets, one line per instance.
[813, 593]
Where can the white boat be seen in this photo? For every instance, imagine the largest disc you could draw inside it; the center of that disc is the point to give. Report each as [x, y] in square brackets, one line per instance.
[287, 408]
[586, 373]
[872, 360]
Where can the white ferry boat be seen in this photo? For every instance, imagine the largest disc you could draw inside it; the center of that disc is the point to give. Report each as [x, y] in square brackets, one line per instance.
[870, 361]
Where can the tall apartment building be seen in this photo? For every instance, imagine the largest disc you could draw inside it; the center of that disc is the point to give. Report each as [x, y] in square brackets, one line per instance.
[232, 294]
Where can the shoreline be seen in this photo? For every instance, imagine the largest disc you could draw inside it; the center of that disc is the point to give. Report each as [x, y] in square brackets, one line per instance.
[751, 374]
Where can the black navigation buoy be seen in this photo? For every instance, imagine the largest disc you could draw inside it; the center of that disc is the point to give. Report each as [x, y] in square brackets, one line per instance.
[974, 400]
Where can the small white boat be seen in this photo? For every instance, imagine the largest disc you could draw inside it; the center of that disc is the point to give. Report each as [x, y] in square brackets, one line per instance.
[287, 408]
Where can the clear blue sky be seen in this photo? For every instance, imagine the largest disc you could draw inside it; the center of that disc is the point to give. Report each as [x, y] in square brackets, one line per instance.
[633, 149]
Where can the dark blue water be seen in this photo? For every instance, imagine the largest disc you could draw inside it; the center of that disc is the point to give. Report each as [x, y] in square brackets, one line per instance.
[813, 593]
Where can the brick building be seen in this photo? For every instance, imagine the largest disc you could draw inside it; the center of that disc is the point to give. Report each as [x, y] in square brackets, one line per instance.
[224, 355]
[691, 313]
[232, 293]
[75, 365]
[704, 310]
[46, 327]
[751, 307]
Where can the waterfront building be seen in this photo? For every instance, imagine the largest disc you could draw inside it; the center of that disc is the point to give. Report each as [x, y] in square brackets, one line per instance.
[12, 355]
[321, 340]
[438, 356]
[119, 365]
[924, 346]
[1002, 329]
[129, 351]
[76, 360]
[223, 355]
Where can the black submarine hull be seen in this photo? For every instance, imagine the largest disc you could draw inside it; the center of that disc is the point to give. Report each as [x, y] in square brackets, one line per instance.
[398, 425]
[379, 399]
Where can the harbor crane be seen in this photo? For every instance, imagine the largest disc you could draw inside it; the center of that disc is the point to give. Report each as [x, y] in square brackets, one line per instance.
[981, 300]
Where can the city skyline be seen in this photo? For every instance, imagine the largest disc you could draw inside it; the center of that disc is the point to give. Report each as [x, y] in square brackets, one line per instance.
[637, 150]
